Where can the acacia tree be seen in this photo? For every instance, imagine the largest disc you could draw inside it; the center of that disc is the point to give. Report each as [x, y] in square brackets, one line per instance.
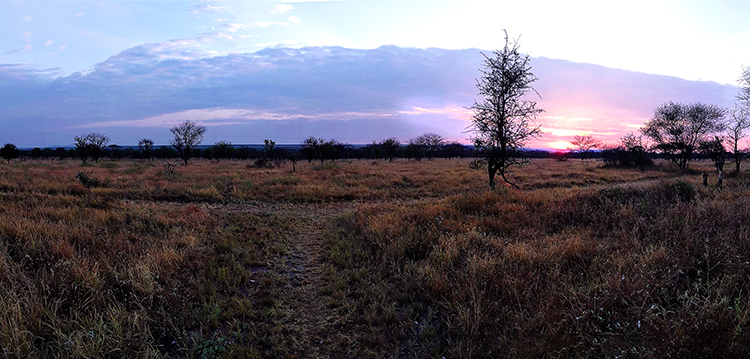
[95, 144]
[677, 129]
[430, 142]
[310, 148]
[388, 147]
[503, 120]
[738, 120]
[187, 136]
[146, 146]
[584, 144]
[91, 145]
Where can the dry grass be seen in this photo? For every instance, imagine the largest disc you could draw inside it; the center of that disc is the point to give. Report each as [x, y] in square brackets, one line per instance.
[370, 259]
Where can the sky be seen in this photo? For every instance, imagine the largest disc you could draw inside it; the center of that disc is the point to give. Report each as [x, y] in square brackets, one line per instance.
[134, 68]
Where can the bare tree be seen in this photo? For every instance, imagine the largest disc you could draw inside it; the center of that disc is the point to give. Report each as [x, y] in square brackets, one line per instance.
[677, 129]
[738, 120]
[146, 146]
[584, 144]
[187, 136]
[503, 120]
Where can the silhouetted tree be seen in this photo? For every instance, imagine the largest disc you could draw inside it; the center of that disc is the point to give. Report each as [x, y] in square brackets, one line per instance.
[584, 144]
[677, 129]
[387, 147]
[81, 147]
[222, 150]
[146, 146]
[187, 136]
[430, 143]
[714, 149]
[737, 122]
[503, 120]
[268, 147]
[414, 150]
[311, 148]
[91, 145]
[9, 151]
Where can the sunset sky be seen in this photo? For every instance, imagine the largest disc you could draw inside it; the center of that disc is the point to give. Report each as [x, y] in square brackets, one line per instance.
[54, 52]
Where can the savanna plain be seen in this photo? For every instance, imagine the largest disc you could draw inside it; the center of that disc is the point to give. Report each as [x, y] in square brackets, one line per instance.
[371, 259]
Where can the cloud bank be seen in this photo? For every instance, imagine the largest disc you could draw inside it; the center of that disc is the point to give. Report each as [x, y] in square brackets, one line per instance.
[285, 94]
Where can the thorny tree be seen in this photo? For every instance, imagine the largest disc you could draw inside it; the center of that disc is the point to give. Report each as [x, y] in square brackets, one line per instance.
[677, 129]
[187, 136]
[504, 121]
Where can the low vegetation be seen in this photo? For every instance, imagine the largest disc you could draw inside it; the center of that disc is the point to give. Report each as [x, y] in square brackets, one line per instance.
[371, 259]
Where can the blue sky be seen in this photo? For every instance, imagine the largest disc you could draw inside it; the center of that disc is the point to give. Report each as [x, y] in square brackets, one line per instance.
[76, 65]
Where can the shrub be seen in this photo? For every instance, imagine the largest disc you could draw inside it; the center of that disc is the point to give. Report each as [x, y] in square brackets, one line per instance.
[89, 182]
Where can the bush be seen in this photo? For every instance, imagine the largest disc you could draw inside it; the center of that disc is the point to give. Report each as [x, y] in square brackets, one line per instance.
[89, 182]
[620, 156]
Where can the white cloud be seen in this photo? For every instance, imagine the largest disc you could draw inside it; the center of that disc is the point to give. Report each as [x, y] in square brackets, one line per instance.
[282, 9]
[48, 42]
[294, 20]
[27, 35]
[80, 14]
[234, 27]
[27, 18]
[63, 47]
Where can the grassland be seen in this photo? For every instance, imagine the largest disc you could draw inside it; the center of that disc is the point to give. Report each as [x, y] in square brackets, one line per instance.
[371, 259]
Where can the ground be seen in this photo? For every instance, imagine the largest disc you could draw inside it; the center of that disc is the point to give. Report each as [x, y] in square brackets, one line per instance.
[370, 259]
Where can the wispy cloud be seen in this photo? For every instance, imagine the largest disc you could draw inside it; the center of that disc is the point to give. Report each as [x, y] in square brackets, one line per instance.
[294, 20]
[459, 113]
[225, 116]
[25, 48]
[234, 27]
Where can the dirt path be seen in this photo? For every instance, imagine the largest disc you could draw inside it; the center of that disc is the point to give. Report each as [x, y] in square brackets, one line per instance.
[302, 314]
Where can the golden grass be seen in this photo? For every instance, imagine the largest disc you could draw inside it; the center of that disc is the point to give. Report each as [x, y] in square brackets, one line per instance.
[370, 259]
